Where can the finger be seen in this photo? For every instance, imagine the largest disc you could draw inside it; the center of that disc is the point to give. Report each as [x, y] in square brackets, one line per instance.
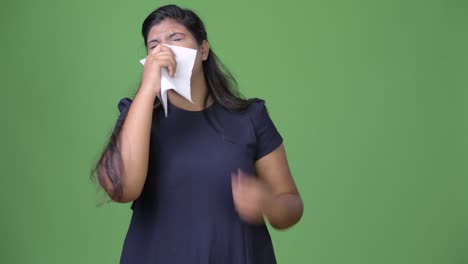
[241, 184]
[243, 174]
[240, 175]
[167, 60]
[161, 55]
[235, 189]
[157, 49]
[172, 67]
[243, 179]
[233, 181]
[162, 49]
[161, 59]
[166, 48]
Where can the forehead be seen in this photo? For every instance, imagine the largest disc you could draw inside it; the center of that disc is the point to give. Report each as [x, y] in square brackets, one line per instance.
[165, 28]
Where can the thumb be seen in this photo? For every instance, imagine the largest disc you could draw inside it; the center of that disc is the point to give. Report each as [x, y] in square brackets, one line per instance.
[234, 181]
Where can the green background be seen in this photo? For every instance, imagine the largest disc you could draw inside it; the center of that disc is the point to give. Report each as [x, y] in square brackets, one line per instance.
[370, 97]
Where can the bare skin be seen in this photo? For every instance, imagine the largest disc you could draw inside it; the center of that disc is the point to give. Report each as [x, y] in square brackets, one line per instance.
[272, 193]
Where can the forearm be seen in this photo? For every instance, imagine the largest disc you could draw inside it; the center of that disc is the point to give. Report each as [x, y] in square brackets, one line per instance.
[134, 143]
[283, 210]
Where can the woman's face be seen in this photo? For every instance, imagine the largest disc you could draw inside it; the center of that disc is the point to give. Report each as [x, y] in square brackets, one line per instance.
[171, 32]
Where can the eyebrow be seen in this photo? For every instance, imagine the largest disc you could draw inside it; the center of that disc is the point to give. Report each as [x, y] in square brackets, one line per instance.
[170, 36]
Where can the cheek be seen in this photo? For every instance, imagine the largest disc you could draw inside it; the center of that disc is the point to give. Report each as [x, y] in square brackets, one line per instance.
[198, 57]
[198, 64]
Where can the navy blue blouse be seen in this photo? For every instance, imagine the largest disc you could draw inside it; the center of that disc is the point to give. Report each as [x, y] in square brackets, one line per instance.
[186, 213]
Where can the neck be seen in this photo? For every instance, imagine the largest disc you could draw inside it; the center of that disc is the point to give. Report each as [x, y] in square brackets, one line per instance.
[198, 91]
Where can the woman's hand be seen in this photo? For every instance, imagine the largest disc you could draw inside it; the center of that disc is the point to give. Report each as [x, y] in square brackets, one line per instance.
[250, 197]
[158, 58]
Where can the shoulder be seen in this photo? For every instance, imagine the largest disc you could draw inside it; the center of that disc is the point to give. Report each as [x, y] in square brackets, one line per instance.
[257, 112]
[256, 108]
[124, 104]
[267, 137]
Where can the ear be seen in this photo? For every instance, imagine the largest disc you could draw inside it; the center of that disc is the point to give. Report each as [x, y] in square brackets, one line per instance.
[205, 50]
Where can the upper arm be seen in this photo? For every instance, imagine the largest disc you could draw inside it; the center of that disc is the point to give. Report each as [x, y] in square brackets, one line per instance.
[271, 164]
[273, 169]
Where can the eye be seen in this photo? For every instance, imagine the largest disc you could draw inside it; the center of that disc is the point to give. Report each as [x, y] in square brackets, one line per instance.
[177, 37]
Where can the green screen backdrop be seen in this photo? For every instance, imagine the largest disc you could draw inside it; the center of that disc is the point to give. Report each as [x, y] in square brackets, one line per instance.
[370, 97]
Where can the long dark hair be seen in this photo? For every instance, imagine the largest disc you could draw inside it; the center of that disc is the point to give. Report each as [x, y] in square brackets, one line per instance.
[221, 86]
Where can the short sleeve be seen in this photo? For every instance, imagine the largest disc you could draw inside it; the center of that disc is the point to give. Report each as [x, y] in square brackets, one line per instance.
[123, 106]
[267, 136]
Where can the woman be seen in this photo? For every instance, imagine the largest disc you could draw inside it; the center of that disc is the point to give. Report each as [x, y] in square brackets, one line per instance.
[203, 178]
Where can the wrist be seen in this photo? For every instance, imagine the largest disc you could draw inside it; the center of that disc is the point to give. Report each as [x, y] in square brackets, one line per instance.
[149, 90]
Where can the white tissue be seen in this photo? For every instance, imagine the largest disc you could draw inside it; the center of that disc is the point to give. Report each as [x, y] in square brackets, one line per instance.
[180, 83]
